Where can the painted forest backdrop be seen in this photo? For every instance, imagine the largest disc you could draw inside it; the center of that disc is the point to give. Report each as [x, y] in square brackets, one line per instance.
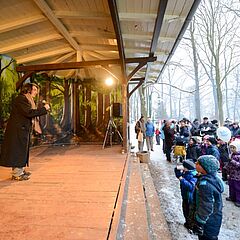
[93, 101]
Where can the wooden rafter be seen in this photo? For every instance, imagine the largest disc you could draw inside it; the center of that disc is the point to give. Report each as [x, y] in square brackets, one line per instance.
[64, 57]
[158, 25]
[140, 82]
[75, 65]
[116, 23]
[181, 33]
[146, 37]
[102, 47]
[143, 17]
[23, 78]
[61, 59]
[19, 23]
[82, 15]
[47, 53]
[146, 17]
[56, 22]
[93, 33]
[108, 69]
[78, 65]
[31, 42]
[140, 65]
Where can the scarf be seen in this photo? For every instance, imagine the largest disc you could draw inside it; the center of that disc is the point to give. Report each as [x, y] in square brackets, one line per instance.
[35, 120]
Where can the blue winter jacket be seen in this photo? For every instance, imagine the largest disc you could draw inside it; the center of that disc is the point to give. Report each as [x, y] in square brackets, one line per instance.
[213, 150]
[150, 130]
[208, 200]
[187, 185]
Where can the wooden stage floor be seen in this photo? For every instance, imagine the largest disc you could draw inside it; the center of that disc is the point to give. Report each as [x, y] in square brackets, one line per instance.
[71, 194]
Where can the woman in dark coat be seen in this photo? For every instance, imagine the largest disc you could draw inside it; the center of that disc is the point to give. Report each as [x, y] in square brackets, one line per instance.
[15, 147]
[169, 138]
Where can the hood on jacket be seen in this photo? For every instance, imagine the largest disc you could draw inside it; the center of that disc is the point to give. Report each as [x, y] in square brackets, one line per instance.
[215, 181]
[236, 144]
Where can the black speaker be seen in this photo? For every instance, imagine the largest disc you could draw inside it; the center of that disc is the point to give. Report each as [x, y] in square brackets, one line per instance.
[117, 110]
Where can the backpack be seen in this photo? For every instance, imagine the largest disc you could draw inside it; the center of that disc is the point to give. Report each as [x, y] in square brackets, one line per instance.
[137, 127]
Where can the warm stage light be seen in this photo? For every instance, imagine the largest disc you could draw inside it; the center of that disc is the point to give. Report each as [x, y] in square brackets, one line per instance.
[109, 81]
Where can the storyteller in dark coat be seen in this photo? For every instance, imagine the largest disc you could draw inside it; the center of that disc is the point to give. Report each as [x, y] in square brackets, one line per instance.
[23, 119]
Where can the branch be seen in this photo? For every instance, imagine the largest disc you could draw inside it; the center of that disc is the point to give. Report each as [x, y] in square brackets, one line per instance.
[182, 90]
[1, 71]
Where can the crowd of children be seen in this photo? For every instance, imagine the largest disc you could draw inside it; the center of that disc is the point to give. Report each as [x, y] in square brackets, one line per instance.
[207, 156]
[204, 157]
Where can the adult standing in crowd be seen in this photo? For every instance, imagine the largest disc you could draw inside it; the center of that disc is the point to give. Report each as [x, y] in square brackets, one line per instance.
[206, 128]
[141, 132]
[169, 138]
[235, 130]
[23, 119]
[195, 127]
[149, 134]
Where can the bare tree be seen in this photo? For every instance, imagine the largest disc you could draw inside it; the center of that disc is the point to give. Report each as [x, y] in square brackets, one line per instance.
[218, 55]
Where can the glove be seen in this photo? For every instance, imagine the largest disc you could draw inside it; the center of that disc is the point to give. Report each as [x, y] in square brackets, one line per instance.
[197, 229]
[178, 173]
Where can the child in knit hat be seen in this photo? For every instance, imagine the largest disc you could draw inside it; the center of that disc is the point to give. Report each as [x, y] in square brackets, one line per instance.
[187, 180]
[206, 214]
[233, 171]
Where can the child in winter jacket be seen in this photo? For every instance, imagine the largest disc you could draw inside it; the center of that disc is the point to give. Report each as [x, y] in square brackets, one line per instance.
[206, 211]
[193, 150]
[224, 157]
[233, 171]
[187, 184]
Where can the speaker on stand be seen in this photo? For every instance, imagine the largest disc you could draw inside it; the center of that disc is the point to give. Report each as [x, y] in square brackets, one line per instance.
[117, 110]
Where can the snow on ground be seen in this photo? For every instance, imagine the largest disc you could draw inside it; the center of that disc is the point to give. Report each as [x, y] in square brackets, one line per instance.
[167, 186]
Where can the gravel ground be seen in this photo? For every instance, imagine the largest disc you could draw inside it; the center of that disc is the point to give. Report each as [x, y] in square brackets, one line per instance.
[167, 186]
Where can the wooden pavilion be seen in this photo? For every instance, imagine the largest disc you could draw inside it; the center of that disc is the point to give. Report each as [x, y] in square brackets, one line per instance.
[130, 40]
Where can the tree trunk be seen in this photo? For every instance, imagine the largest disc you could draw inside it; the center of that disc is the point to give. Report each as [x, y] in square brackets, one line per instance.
[179, 105]
[88, 119]
[196, 76]
[106, 109]
[226, 98]
[99, 109]
[236, 98]
[143, 101]
[75, 107]
[65, 121]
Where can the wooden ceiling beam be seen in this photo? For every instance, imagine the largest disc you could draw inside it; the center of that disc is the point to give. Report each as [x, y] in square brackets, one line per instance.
[93, 33]
[99, 47]
[170, 18]
[31, 42]
[147, 17]
[19, 23]
[82, 15]
[37, 56]
[64, 57]
[140, 82]
[75, 65]
[57, 23]
[61, 59]
[158, 25]
[116, 24]
[109, 70]
[146, 37]
[143, 17]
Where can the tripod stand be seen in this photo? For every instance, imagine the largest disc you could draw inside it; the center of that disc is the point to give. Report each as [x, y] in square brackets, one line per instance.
[109, 132]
